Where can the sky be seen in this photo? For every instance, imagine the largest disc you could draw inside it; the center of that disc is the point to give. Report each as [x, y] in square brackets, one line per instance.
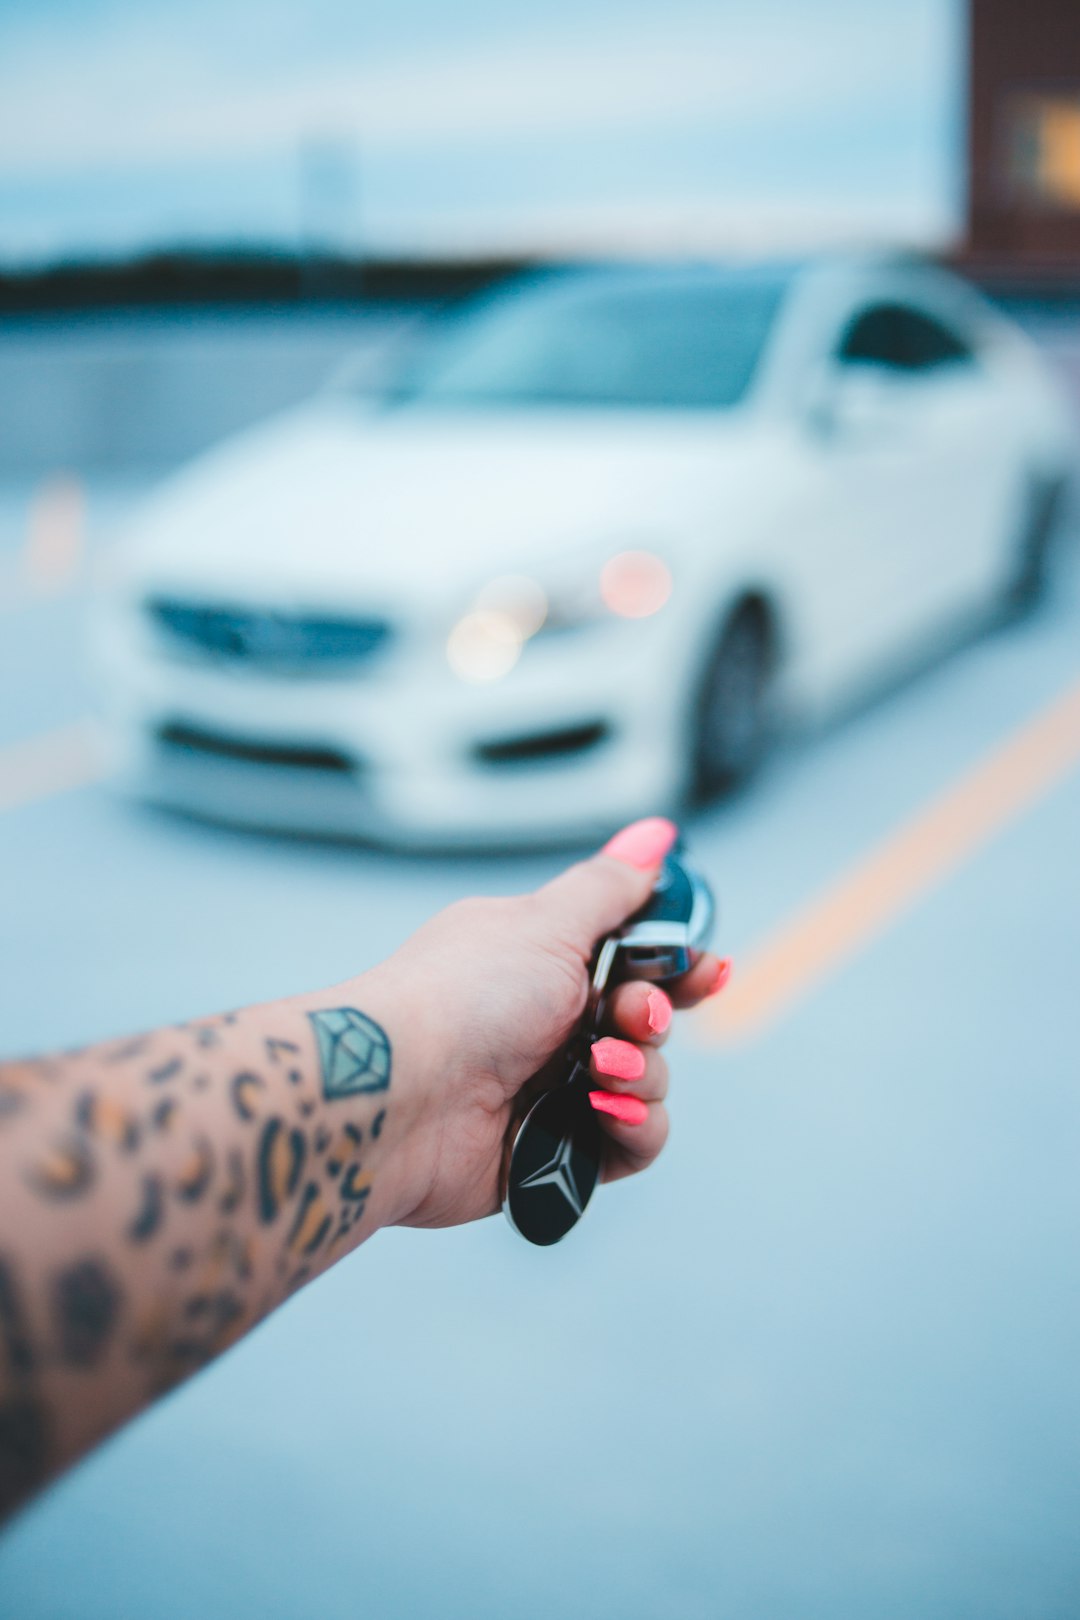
[422, 126]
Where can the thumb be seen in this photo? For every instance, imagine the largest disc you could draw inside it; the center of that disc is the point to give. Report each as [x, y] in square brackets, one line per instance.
[592, 898]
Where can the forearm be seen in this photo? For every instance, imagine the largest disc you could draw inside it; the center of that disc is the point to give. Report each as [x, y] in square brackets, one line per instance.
[161, 1195]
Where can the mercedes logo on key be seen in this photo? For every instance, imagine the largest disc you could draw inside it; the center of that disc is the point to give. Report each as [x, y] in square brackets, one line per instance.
[555, 1164]
[559, 1173]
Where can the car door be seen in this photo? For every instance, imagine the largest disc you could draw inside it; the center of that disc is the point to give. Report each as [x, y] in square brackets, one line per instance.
[968, 466]
[909, 420]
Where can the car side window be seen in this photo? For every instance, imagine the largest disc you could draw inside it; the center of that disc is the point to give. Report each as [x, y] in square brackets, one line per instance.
[901, 338]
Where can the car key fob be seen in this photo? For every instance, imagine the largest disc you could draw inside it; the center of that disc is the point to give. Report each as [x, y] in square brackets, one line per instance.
[557, 1155]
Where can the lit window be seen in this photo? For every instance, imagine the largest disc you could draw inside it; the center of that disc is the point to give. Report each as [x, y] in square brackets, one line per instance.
[1044, 149]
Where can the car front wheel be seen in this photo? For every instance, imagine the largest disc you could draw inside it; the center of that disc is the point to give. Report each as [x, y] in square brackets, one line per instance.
[1042, 529]
[732, 719]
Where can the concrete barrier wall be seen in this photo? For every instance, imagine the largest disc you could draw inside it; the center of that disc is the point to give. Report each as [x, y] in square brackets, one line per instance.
[100, 394]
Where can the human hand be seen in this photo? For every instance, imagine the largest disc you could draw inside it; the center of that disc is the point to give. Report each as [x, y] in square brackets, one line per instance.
[486, 994]
[164, 1192]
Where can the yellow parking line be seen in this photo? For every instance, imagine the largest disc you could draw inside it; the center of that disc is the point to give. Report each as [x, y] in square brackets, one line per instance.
[868, 898]
[52, 763]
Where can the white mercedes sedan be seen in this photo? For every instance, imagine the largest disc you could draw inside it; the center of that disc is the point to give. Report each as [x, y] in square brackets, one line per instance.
[603, 533]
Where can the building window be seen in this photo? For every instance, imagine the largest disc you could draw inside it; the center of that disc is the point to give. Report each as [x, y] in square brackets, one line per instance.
[1044, 149]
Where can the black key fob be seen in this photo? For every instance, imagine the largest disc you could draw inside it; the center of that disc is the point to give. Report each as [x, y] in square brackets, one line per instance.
[555, 1162]
[557, 1155]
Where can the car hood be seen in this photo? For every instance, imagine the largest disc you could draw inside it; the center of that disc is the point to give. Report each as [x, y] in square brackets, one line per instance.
[407, 502]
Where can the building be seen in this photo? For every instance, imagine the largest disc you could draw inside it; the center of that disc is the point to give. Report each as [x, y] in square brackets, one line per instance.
[1023, 216]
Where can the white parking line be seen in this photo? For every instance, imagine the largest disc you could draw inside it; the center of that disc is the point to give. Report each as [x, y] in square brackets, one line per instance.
[56, 762]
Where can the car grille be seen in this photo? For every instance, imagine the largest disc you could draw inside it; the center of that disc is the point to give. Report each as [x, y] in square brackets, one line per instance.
[565, 743]
[178, 737]
[267, 639]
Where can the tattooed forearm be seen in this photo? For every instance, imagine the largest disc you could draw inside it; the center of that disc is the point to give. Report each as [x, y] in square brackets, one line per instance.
[158, 1195]
[86, 1303]
[280, 1160]
[14, 1329]
[275, 1049]
[23, 1415]
[197, 1171]
[165, 1071]
[150, 1211]
[24, 1448]
[234, 1182]
[65, 1169]
[245, 1090]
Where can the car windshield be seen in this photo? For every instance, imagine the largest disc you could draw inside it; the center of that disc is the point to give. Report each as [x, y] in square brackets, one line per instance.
[600, 341]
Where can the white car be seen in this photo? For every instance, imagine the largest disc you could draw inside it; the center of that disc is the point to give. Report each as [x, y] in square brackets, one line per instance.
[605, 528]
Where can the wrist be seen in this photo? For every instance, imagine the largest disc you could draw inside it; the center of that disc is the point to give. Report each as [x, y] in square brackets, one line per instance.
[390, 1155]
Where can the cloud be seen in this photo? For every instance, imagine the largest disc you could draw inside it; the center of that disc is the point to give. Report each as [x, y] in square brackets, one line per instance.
[471, 124]
[159, 94]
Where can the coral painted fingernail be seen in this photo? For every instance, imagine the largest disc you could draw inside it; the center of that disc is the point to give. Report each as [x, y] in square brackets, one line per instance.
[659, 1011]
[643, 843]
[621, 1059]
[723, 974]
[627, 1110]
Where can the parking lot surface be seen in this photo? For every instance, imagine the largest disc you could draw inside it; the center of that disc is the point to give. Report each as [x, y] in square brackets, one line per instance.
[822, 1361]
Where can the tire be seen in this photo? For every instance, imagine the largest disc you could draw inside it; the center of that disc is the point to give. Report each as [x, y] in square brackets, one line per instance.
[1032, 573]
[732, 713]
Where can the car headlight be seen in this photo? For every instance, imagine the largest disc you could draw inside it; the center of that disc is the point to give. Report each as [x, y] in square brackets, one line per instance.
[635, 584]
[487, 641]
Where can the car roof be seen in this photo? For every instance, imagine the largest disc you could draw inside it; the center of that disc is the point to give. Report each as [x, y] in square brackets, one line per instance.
[767, 272]
[659, 274]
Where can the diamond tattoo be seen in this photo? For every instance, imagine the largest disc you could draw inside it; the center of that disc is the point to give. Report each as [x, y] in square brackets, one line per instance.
[354, 1053]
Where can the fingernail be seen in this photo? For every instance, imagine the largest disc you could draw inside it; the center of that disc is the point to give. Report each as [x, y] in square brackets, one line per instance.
[723, 974]
[621, 1059]
[628, 1110]
[659, 1011]
[643, 843]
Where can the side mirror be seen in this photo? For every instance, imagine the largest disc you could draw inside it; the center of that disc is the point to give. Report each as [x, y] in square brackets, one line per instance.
[850, 402]
[818, 402]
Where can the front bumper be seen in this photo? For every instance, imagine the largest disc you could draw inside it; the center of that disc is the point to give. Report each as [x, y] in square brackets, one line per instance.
[396, 755]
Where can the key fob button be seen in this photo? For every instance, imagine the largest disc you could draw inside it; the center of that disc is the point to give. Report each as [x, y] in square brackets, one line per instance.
[672, 900]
